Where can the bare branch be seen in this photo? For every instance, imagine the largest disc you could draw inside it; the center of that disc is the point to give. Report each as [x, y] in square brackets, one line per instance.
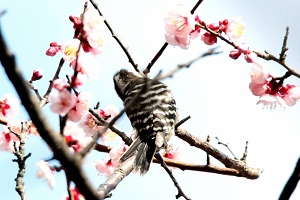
[209, 52]
[291, 184]
[21, 159]
[163, 164]
[227, 146]
[247, 172]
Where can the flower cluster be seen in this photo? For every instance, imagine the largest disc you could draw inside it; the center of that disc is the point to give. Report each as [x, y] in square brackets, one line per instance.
[80, 51]
[107, 166]
[46, 172]
[271, 91]
[181, 27]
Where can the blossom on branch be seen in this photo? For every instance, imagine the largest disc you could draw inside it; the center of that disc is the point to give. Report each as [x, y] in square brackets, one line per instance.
[90, 126]
[9, 106]
[233, 28]
[172, 153]
[116, 152]
[62, 101]
[81, 107]
[7, 139]
[75, 137]
[93, 32]
[178, 25]
[104, 167]
[272, 92]
[44, 171]
[250, 56]
[70, 50]
[291, 94]
[179, 22]
[86, 64]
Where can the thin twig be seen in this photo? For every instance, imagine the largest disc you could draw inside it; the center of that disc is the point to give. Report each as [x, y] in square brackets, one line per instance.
[118, 39]
[284, 48]
[35, 91]
[44, 100]
[207, 155]
[163, 164]
[245, 154]
[209, 52]
[182, 121]
[227, 146]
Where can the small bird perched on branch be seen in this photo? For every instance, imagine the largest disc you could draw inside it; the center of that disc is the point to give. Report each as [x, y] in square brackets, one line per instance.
[151, 108]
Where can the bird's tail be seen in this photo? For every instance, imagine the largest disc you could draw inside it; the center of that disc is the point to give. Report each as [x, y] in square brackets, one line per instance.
[144, 151]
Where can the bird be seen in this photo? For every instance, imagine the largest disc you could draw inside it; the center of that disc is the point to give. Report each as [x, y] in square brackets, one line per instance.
[152, 111]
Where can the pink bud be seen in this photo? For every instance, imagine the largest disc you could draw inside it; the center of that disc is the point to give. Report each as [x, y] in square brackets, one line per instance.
[234, 54]
[223, 24]
[54, 44]
[37, 75]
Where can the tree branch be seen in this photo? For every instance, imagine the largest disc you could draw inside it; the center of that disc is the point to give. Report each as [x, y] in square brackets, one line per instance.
[71, 162]
[291, 184]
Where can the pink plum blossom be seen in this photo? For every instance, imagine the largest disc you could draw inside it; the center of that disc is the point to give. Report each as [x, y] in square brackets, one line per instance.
[272, 92]
[81, 107]
[271, 102]
[75, 136]
[179, 21]
[93, 30]
[291, 94]
[182, 42]
[9, 106]
[79, 80]
[44, 171]
[234, 29]
[90, 127]
[7, 140]
[107, 136]
[88, 124]
[87, 64]
[70, 49]
[109, 112]
[104, 167]
[116, 152]
[259, 79]
[62, 101]
[60, 84]
[172, 153]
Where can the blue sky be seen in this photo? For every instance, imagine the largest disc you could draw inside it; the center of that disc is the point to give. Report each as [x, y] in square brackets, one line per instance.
[214, 91]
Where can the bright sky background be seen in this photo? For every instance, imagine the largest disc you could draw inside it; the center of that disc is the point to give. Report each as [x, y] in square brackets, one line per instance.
[214, 92]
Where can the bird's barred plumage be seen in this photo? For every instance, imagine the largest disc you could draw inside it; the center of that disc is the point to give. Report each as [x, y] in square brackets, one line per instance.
[153, 114]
